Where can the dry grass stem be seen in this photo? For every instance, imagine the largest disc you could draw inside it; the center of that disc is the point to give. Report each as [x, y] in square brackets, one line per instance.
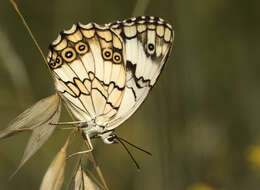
[81, 181]
[53, 178]
[42, 132]
[35, 116]
[31, 35]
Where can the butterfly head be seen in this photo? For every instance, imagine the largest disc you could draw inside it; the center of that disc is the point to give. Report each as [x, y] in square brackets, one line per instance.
[109, 137]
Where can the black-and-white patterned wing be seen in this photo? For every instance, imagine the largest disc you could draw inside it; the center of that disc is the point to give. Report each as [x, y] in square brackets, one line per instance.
[148, 42]
[89, 70]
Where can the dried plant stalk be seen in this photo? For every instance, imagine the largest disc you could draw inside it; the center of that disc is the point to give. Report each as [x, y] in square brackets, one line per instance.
[81, 181]
[35, 41]
[40, 122]
[53, 178]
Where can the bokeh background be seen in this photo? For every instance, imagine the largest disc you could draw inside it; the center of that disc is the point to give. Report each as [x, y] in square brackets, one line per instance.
[201, 121]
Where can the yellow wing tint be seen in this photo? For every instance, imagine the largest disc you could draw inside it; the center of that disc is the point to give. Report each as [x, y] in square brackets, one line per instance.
[88, 64]
[106, 72]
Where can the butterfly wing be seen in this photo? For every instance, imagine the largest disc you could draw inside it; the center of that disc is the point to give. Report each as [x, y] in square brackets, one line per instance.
[90, 75]
[148, 41]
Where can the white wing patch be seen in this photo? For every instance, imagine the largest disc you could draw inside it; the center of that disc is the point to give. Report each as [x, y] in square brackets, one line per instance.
[148, 42]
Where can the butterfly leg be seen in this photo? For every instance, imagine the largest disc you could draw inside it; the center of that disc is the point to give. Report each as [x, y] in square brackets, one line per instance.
[68, 123]
[83, 152]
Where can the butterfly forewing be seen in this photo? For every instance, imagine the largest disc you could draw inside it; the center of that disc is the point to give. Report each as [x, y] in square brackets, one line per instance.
[148, 42]
[90, 73]
[106, 72]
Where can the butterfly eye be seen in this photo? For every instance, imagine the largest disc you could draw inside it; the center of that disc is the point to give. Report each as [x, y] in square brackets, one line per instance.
[110, 139]
[68, 54]
[117, 58]
[81, 48]
[107, 53]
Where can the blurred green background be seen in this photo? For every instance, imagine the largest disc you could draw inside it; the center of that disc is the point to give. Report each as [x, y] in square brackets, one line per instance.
[201, 121]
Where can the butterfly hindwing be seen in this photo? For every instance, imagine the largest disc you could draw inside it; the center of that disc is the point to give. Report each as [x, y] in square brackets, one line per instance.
[88, 65]
[148, 42]
[106, 72]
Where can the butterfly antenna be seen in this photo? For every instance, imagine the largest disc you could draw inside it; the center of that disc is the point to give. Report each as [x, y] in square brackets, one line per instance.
[129, 153]
[131, 144]
[31, 34]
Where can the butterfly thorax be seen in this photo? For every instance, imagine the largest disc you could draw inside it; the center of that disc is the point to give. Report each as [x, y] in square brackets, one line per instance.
[92, 129]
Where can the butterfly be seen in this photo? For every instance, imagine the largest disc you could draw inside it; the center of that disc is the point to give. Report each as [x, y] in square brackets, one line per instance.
[103, 73]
